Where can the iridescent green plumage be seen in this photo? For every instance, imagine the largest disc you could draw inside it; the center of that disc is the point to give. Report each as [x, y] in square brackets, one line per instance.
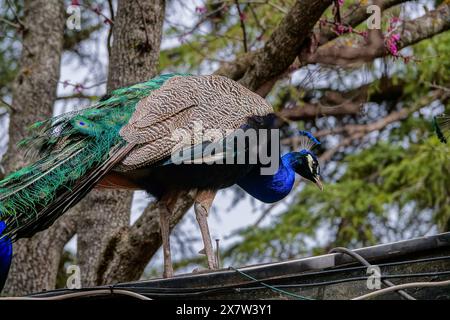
[70, 146]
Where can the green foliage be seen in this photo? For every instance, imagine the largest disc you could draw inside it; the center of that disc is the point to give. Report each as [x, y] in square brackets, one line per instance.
[224, 38]
[351, 210]
[394, 187]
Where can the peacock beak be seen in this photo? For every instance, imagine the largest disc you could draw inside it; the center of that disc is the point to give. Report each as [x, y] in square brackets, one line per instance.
[318, 183]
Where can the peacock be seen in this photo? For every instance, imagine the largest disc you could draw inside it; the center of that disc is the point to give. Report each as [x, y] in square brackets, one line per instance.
[441, 126]
[127, 141]
[5, 256]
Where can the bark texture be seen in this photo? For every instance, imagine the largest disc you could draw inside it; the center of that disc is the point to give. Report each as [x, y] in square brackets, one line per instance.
[128, 254]
[411, 32]
[358, 15]
[36, 260]
[260, 69]
[134, 58]
[285, 43]
[137, 38]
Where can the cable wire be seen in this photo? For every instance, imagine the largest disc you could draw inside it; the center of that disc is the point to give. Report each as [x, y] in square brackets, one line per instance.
[359, 258]
[404, 286]
[271, 287]
[195, 290]
[173, 292]
[84, 293]
[337, 281]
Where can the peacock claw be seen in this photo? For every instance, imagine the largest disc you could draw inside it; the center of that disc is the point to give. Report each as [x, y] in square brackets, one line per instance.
[199, 270]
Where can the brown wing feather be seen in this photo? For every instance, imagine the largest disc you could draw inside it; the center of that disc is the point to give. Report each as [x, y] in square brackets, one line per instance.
[214, 102]
[115, 180]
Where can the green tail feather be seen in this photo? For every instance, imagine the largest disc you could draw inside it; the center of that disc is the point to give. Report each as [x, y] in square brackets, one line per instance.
[441, 125]
[70, 147]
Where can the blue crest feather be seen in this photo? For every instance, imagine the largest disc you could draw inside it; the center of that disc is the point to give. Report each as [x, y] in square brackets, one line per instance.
[307, 140]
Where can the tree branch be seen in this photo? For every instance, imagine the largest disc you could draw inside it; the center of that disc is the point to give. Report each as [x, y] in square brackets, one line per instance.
[284, 44]
[332, 104]
[357, 131]
[280, 50]
[128, 254]
[241, 19]
[72, 39]
[77, 96]
[432, 23]
[353, 17]
[237, 68]
[340, 104]
[412, 32]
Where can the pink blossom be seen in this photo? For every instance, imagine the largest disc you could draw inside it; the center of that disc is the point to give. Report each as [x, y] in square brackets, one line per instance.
[396, 37]
[182, 38]
[242, 16]
[392, 44]
[78, 88]
[341, 2]
[392, 47]
[407, 59]
[201, 10]
[395, 20]
[96, 10]
[340, 29]
[75, 3]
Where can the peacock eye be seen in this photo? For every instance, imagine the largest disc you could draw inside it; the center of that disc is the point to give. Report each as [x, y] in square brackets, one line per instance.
[316, 168]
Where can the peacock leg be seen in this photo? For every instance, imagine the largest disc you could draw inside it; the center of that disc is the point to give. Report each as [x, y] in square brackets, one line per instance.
[167, 206]
[164, 220]
[203, 202]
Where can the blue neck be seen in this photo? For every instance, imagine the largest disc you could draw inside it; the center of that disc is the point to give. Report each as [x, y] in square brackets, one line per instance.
[5, 256]
[271, 188]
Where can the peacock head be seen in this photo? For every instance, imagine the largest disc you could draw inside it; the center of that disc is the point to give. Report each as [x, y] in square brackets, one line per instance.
[306, 163]
[308, 167]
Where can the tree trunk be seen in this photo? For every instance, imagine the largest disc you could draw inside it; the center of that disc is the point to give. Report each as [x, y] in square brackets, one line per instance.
[131, 249]
[137, 38]
[36, 260]
[134, 58]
